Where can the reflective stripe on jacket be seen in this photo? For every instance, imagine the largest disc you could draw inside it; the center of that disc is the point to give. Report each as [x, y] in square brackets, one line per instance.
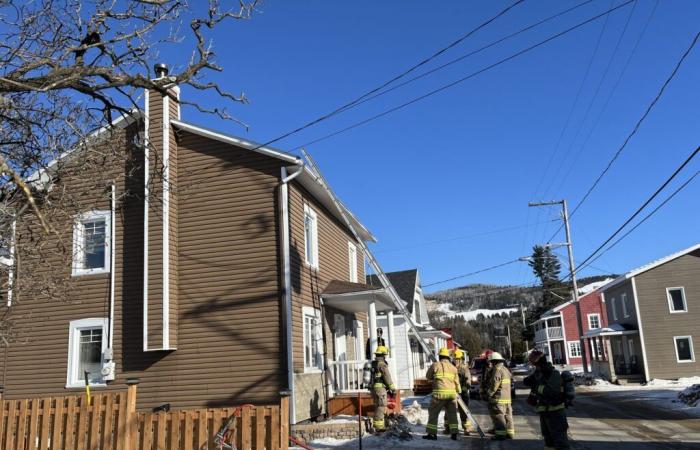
[498, 388]
[445, 380]
[382, 376]
[549, 390]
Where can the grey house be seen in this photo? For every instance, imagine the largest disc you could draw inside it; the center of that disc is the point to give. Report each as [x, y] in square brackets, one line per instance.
[654, 321]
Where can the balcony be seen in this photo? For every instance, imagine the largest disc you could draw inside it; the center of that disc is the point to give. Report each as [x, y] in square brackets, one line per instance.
[346, 376]
[547, 334]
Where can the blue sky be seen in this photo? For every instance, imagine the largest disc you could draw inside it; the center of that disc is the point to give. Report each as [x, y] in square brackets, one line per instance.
[444, 183]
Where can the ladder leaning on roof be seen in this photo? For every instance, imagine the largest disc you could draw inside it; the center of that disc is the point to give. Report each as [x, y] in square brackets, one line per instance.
[398, 303]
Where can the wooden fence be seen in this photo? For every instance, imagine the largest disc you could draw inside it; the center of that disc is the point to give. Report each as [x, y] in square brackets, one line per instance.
[111, 422]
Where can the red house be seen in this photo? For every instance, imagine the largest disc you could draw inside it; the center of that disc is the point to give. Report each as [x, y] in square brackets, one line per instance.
[556, 331]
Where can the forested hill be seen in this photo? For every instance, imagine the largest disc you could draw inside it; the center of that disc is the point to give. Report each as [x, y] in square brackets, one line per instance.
[484, 296]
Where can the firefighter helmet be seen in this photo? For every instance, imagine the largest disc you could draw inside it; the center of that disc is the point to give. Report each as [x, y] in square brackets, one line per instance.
[381, 351]
[444, 352]
[535, 356]
[495, 356]
[459, 354]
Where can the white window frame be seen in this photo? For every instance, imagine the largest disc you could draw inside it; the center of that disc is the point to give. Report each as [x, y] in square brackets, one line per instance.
[78, 233]
[74, 379]
[613, 302]
[352, 261]
[569, 348]
[308, 211]
[670, 300]
[597, 315]
[315, 314]
[623, 299]
[692, 351]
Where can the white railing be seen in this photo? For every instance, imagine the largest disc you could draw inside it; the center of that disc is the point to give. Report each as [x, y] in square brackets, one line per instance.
[554, 333]
[346, 376]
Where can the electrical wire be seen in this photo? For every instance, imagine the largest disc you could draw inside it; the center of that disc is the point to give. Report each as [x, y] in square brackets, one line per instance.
[634, 130]
[487, 269]
[393, 79]
[467, 77]
[648, 216]
[644, 205]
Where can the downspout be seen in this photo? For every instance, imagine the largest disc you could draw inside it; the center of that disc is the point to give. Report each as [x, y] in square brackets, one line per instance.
[287, 281]
[112, 252]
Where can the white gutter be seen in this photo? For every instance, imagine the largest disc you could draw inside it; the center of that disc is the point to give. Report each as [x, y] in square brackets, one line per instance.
[166, 222]
[287, 274]
[641, 331]
[112, 257]
[11, 263]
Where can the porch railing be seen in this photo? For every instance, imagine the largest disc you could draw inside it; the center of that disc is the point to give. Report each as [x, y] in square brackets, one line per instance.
[548, 334]
[346, 376]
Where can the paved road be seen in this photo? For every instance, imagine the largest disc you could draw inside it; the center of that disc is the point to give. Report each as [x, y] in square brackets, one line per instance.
[603, 421]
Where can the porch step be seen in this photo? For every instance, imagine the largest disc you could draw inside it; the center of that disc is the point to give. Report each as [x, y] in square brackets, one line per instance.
[624, 381]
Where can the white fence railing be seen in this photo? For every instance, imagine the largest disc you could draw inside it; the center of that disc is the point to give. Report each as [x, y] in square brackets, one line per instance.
[554, 333]
[346, 376]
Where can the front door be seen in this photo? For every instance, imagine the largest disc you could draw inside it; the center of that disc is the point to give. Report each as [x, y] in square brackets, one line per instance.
[341, 345]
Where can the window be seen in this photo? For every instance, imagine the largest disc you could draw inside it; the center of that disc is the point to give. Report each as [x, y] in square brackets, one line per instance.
[593, 321]
[623, 300]
[574, 349]
[86, 345]
[313, 339]
[684, 349]
[613, 302]
[676, 300]
[91, 233]
[352, 261]
[599, 348]
[310, 237]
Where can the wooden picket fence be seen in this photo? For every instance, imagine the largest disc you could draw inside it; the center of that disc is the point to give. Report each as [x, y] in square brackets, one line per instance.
[110, 422]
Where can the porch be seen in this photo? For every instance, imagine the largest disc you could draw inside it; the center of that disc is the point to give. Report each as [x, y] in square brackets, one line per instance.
[616, 353]
[549, 338]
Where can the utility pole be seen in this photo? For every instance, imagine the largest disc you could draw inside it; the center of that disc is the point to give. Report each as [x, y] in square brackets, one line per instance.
[572, 272]
[522, 314]
[510, 344]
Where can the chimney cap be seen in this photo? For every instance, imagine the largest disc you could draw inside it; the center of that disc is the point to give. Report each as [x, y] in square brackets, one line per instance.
[161, 70]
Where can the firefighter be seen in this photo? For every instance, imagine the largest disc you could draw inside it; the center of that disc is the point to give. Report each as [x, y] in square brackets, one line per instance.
[547, 395]
[382, 384]
[443, 375]
[498, 396]
[465, 384]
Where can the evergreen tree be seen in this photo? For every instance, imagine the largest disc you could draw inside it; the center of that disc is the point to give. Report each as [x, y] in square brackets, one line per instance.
[545, 265]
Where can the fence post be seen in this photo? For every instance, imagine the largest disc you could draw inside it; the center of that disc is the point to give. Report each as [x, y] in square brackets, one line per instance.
[284, 419]
[131, 416]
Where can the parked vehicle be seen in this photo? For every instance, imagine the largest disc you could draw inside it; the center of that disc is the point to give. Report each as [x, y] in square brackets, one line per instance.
[477, 368]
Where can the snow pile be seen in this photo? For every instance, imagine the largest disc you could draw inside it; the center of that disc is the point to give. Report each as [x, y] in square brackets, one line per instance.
[398, 428]
[413, 413]
[472, 315]
[690, 395]
[587, 379]
[445, 308]
[677, 384]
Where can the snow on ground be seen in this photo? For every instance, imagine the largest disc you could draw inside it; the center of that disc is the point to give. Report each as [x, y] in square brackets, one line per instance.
[472, 315]
[445, 308]
[663, 393]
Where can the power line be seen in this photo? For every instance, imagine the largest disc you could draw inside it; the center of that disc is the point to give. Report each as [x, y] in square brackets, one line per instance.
[635, 129]
[463, 79]
[648, 216]
[644, 205]
[487, 269]
[395, 78]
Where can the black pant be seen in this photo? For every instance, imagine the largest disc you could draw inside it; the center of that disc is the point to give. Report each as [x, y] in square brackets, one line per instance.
[554, 428]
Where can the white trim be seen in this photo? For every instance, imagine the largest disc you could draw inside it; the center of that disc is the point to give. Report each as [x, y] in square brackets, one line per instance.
[72, 379]
[112, 259]
[11, 264]
[314, 237]
[568, 349]
[307, 311]
[352, 262]
[166, 222]
[78, 251]
[146, 194]
[623, 300]
[670, 300]
[235, 141]
[638, 314]
[690, 343]
[589, 315]
[652, 265]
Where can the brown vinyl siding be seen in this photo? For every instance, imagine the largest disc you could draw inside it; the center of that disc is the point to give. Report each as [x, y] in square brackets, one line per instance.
[228, 284]
[174, 215]
[660, 325]
[308, 282]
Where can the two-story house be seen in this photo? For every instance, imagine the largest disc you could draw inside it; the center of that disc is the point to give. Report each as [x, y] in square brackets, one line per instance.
[214, 270]
[653, 315]
[556, 331]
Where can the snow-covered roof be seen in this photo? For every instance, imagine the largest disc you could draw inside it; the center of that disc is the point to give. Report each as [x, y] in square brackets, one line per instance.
[649, 266]
[615, 329]
[587, 289]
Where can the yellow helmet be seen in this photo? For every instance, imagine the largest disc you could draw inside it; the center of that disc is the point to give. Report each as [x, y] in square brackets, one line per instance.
[495, 356]
[444, 352]
[381, 351]
[459, 354]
